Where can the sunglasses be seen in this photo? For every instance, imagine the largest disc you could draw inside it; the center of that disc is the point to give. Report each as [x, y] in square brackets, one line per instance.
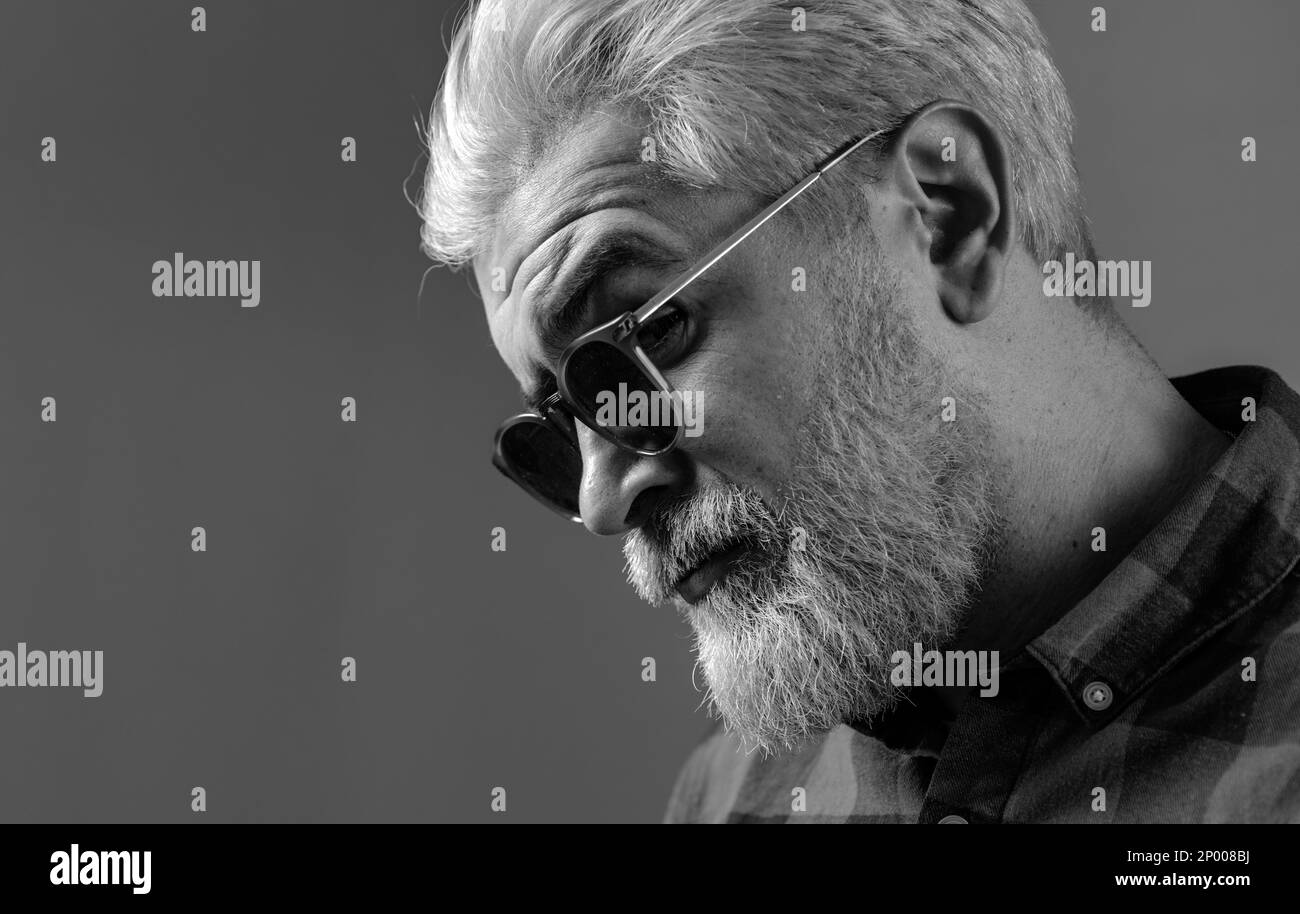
[539, 450]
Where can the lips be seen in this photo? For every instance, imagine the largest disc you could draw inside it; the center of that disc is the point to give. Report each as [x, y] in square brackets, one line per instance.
[695, 585]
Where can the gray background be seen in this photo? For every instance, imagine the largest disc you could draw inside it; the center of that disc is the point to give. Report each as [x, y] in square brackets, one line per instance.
[476, 669]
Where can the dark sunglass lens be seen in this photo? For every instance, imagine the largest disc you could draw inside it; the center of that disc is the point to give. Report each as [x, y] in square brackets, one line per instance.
[545, 463]
[619, 396]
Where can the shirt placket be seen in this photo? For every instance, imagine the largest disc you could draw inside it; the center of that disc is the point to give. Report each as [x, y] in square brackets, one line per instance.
[986, 750]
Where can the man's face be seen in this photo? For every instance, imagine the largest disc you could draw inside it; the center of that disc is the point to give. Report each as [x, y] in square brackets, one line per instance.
[827, 516]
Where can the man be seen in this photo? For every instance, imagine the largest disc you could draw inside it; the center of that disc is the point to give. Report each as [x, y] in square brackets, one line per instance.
[952, 547]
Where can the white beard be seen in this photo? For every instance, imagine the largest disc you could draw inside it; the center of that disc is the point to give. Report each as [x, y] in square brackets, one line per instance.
[898, 518]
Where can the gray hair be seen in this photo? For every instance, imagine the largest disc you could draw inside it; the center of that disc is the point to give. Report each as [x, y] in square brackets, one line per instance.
[739, 98]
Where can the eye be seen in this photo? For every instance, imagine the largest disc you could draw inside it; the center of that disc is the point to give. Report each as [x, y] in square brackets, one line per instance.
[663, 337]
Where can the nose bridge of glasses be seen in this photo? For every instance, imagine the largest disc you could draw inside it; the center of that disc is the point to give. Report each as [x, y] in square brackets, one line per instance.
[556, 412]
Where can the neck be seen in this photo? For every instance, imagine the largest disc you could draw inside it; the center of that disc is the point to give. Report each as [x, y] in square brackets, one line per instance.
[1114, 446]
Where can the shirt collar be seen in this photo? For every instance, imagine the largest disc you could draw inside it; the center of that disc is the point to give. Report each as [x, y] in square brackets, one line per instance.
[1226, 544]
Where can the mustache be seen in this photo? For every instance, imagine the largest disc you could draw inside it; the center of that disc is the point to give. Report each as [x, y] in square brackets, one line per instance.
[679, 535]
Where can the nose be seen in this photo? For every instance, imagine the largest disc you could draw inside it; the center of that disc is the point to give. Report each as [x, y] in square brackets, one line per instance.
[620, 488]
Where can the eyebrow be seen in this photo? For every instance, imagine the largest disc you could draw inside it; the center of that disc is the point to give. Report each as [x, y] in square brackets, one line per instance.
[557, 323]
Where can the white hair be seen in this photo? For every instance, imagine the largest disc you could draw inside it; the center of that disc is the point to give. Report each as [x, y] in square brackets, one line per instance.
[738, 97]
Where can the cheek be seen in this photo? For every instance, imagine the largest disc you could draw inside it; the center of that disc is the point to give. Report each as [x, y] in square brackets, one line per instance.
[757, 390]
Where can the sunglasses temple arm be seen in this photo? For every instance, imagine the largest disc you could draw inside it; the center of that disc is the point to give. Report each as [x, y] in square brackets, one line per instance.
[649, 308]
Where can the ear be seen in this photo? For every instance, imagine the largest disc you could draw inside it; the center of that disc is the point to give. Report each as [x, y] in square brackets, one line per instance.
[949, 165]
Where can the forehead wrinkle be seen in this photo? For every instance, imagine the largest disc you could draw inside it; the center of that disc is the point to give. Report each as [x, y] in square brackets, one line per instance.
[594, 166]
[610, 189]
[605, 187]
[509, 313]
[516, 327]
[619, 246]
[597, 155]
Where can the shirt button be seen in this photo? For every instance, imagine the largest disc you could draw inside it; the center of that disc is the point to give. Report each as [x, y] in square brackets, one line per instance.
[953, 820]
[1097, 696]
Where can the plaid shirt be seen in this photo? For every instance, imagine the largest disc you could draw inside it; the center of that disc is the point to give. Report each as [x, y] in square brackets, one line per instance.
[1174, 686]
